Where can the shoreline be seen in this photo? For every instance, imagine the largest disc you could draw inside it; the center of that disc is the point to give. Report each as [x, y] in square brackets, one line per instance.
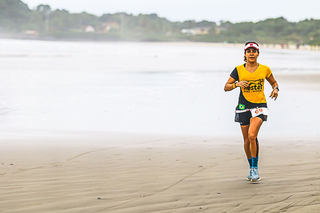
[288, 46]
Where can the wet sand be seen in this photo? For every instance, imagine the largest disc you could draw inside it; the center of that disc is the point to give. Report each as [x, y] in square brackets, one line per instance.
[125, 173]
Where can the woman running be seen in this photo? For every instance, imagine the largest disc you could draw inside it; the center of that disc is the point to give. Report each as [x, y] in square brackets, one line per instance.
[252, 109]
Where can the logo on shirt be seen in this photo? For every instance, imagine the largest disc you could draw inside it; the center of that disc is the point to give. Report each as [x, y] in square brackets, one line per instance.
[242, 106]
[254, 86]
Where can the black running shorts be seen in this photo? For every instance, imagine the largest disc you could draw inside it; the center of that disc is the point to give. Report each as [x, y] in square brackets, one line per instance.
[244, 118]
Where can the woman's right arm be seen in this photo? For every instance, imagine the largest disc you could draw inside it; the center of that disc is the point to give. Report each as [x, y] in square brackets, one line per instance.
[229, 85]
[232, 84]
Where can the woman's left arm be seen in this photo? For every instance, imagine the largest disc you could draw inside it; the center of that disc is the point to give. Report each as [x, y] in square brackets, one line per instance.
[275, 87]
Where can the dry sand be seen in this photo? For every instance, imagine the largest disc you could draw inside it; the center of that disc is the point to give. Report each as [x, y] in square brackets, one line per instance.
[126, 173]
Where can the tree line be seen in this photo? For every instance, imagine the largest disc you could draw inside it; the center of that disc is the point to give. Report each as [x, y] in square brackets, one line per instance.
[18, 20]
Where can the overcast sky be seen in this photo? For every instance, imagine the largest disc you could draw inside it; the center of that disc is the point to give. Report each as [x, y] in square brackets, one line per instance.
[181, 10]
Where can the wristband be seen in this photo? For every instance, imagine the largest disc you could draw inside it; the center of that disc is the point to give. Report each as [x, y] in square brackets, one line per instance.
[276, 88]
[233, 85]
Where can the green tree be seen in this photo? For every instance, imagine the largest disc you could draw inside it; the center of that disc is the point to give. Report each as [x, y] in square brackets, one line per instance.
[14, 15]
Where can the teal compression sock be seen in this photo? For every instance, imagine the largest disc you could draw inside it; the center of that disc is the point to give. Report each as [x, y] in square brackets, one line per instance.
[255, 162]
[250, 162]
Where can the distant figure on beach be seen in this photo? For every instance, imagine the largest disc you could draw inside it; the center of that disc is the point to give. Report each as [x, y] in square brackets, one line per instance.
[298, 44]
[252, 109]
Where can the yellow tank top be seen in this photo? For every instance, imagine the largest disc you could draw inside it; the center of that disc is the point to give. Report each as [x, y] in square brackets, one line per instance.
[254, 93]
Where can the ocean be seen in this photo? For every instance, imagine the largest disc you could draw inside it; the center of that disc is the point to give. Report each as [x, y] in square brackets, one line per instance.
[165, 88]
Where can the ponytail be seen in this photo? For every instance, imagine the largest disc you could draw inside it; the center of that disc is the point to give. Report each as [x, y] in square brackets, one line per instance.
[245, 59]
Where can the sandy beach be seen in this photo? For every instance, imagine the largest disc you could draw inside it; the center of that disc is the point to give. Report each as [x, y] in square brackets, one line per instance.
[81, 135]
[122, 173]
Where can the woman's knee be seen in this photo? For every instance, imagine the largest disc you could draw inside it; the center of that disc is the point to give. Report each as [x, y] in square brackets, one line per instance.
[252, 138]
[246, 141]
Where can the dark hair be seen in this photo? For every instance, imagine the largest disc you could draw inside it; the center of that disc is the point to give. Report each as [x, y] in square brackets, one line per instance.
[245, 58]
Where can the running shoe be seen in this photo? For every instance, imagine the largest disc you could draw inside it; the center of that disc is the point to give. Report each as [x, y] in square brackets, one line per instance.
[250, 175]
[255, 175]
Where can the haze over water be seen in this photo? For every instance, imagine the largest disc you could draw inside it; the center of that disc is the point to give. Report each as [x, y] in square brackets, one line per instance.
[174, 88]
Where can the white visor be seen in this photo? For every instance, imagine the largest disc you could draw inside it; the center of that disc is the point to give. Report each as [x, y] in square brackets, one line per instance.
[251, 45]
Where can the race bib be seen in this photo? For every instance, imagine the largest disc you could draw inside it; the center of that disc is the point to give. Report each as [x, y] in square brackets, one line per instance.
[259, 111]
